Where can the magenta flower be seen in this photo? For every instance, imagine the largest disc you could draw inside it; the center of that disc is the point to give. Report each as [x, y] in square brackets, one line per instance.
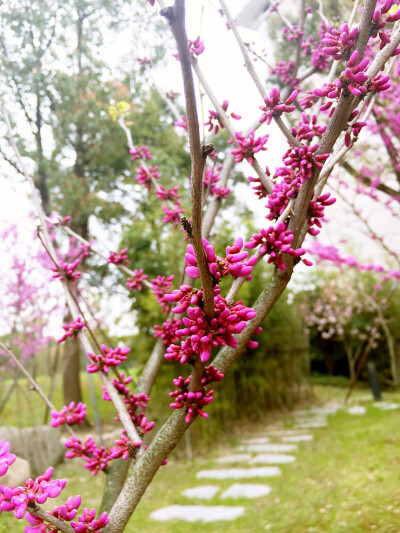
[136, 282]
[109, 357]
[146, 175]
[339, 42]
[172, 214]
[214, 120]
[196, 47]
[161, 286]
[17, 498]
[274, 108]
[140, 153]
[87, 523]
[119, 258]
[67, 271]
[167, 331]
[182, 123]
[70, 415]
[248, 147]
[6, 458]
[72, 329]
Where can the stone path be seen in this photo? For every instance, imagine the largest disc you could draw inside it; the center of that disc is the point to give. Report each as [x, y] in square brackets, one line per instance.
[276, 447]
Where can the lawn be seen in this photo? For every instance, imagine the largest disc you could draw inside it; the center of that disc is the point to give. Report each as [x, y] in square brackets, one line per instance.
[346, 480]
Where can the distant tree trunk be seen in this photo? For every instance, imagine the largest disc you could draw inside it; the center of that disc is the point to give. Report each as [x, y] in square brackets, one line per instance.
[72, 391]
[351, 360]
[329, 358]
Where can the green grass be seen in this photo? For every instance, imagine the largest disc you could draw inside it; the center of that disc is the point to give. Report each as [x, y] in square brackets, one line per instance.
[346, 480]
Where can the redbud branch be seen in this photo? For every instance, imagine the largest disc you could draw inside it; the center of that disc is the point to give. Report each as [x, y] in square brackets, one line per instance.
[223, 117]
[300, 38]
[168, 102]
[176, 19]
[35, 509]
[34, 384]
[121, 267]
[251, 70]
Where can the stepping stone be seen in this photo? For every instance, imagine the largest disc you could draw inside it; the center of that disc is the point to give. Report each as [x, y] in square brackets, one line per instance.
[249, 490]
[205, 492]
[284, 432]
[357, 410]
[198, 513]
[268, 448]
[239, 473]
[272, 458]
[309, 425]
[260, 440]
[297, 438]
[386, 406]
[234, 458]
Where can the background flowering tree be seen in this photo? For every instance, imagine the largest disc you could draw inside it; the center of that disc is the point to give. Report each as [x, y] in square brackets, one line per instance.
[206, 326]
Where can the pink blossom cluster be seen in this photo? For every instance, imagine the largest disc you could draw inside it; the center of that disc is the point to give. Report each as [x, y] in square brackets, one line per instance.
[87, 523]
[72, 329]
[210, 181]
[302, 160]
[167, 331]
[214, 120]
[136, 282]
[185, 295]
[124, 447]
[182, 123]
[274, 242]
[319, 59]
[331, 254]
[259, 190]
[274, 108]
[284, 71]
[316, 212]
[65, 513]
[85, 249]
[202, 334]
[119, 258]
[235, 262]
[146, 175]
[6, 458]
[132, 401]
[293, 33]
[161, 286]
[67, 271]
[171, 194]
[196, 47]
[140, 153]
[247, 147]
[96, 458]
[379, 20]
[194, 402]
[109, 357]
[339, 42]
[17, 499]
[71, 415]
[354, 80]
[172, 214]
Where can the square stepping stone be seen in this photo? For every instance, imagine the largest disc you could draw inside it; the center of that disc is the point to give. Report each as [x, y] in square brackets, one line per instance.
[310, 424]
[198, 513]
[239, 473]
[259, 440]
[246, 490]
[272, 458]
[357, 410]
[386, 406]
[205, 492]
[234, 458]
[268, 448]
[297, 438]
